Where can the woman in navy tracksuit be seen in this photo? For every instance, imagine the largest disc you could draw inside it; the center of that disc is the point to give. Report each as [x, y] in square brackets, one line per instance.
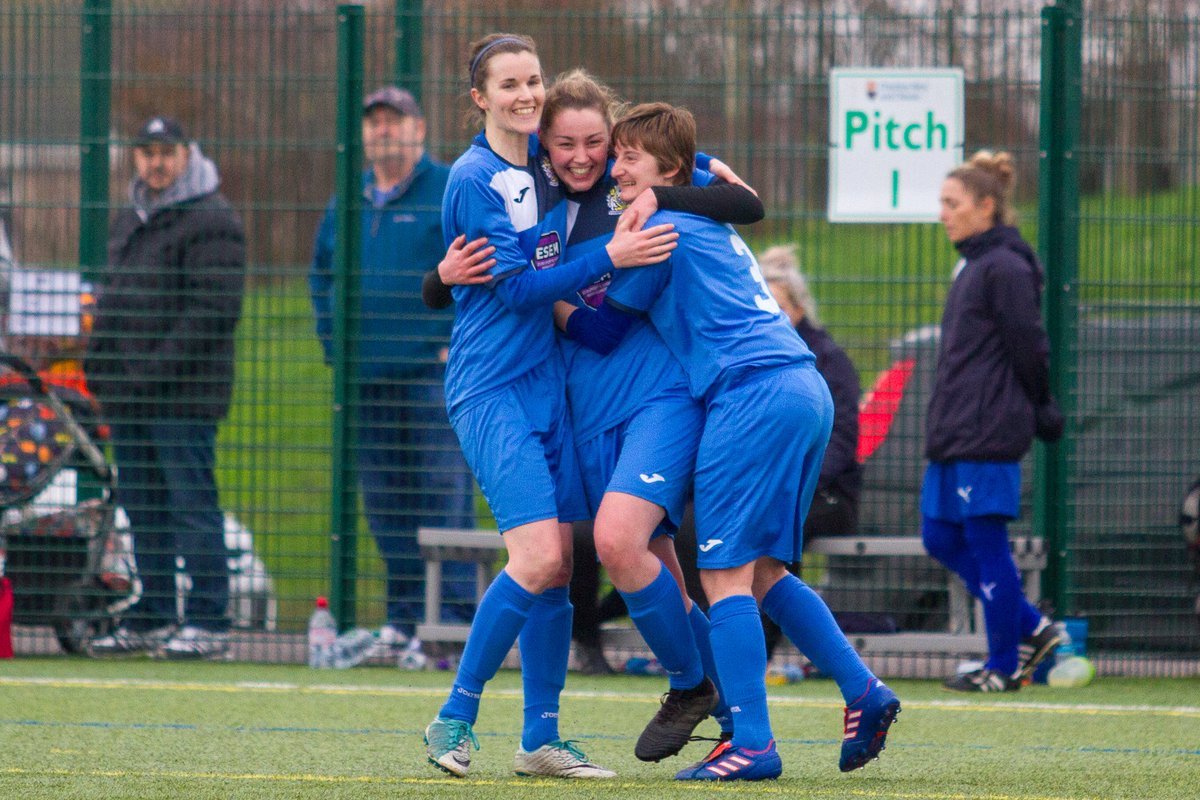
[991, 396]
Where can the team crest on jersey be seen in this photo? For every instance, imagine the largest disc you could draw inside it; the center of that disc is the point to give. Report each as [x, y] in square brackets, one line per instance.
[548, 171]
[615, 204]
[548, 249]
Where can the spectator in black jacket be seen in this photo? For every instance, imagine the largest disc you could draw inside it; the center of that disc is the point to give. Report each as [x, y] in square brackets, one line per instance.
[991, 396]
[161, 362]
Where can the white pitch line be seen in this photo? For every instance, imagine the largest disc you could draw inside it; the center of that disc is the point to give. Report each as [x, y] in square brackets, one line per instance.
[272, 687]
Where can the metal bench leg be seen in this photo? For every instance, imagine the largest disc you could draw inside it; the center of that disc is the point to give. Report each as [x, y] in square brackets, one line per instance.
[961, 603]
[433, 592]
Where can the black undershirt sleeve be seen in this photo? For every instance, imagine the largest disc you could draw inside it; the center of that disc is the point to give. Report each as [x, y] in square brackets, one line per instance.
[722, 202]
[434, 293]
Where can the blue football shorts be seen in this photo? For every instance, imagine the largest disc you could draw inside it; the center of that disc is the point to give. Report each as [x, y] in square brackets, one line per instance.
[518, 443]
[759, 460]
[955, 490]
[651, 455]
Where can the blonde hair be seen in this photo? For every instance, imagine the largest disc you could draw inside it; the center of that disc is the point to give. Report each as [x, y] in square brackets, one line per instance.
[779, 264]
[994, 175]
[578, 90]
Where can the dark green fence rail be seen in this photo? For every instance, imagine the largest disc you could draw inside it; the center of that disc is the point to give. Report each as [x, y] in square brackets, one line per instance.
[1111, 192]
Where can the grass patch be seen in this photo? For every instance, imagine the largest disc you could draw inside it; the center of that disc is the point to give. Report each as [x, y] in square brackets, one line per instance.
[75, 728]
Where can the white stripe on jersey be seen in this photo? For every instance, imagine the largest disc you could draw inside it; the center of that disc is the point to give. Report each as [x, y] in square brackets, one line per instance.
[520, 197]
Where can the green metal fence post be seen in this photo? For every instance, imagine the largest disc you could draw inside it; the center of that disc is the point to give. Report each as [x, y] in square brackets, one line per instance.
[1058, 245]
[409, 32]
[94, 122]
[343, 511]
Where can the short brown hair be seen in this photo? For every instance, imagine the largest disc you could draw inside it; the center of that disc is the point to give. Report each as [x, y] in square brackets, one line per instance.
[665, 132]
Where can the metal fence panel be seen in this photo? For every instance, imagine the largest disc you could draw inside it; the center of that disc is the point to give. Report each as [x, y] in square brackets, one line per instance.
[256, 84]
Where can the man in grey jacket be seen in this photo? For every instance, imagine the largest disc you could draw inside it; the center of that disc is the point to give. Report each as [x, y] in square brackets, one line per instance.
[161, 363]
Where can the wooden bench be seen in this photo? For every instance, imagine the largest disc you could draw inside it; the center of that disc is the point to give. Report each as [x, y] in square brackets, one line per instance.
[480, 546]
[964, 633]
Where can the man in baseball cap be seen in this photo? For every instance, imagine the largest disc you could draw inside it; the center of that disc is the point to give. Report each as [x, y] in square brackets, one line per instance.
[399, 100]
[409, 463]
[161, 156]
[161, 362]
[160, 129]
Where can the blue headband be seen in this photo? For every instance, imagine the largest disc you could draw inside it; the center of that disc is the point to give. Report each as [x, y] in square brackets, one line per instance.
[502, 40]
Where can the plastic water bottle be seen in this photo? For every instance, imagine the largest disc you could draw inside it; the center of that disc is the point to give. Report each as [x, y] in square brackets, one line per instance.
[352, 648]
[644, 666]
[322, 634]
[787, 673]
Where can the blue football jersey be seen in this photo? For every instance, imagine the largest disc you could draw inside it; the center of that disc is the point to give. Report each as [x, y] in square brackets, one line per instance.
[491, 344]
[604, 390]
[710, 304]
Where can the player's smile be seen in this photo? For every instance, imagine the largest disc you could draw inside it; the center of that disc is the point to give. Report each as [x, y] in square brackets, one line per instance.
[635, 171]
[577, 140]
[514, 92]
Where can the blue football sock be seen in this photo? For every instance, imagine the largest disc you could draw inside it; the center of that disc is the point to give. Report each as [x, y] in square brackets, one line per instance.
[501, 615]
[740, 651]
[805, 619]
[701, 631]
[545, 643]
[947, 543]
[658, 613]
[999, 590]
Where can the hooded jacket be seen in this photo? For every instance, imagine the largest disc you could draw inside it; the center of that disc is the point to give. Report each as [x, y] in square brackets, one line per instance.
[163, 340]
[993, 367]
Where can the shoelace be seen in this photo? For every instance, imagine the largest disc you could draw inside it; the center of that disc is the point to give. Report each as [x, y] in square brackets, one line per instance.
[719, 751]
[460, 730]
[567, 744]
[669, 711]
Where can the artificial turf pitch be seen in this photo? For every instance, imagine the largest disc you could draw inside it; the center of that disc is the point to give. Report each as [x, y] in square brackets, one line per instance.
[74, 728]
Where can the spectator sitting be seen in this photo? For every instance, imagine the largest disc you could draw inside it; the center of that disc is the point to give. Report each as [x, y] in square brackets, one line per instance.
[834, 509]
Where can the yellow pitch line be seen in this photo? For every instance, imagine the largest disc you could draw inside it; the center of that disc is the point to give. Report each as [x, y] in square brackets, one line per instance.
[1020, 707]
[741, 789]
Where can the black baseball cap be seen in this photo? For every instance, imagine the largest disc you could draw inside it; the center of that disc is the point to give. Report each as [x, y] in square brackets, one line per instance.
[399, 100]
[160, 129]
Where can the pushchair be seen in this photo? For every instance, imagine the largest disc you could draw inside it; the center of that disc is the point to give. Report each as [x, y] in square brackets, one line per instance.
[70, 568]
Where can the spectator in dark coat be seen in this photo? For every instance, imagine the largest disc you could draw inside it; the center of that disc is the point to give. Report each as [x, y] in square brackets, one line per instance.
[991, 396]
[161, 363]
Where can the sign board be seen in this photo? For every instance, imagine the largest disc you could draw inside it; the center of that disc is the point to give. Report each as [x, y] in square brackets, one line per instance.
[893, 136]
[44, 302]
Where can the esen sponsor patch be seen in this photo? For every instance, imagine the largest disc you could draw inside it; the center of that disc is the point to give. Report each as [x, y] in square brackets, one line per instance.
[548, 249]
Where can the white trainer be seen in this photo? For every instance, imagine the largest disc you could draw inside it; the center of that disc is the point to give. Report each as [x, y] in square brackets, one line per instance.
[448, 745]
[560, 759]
